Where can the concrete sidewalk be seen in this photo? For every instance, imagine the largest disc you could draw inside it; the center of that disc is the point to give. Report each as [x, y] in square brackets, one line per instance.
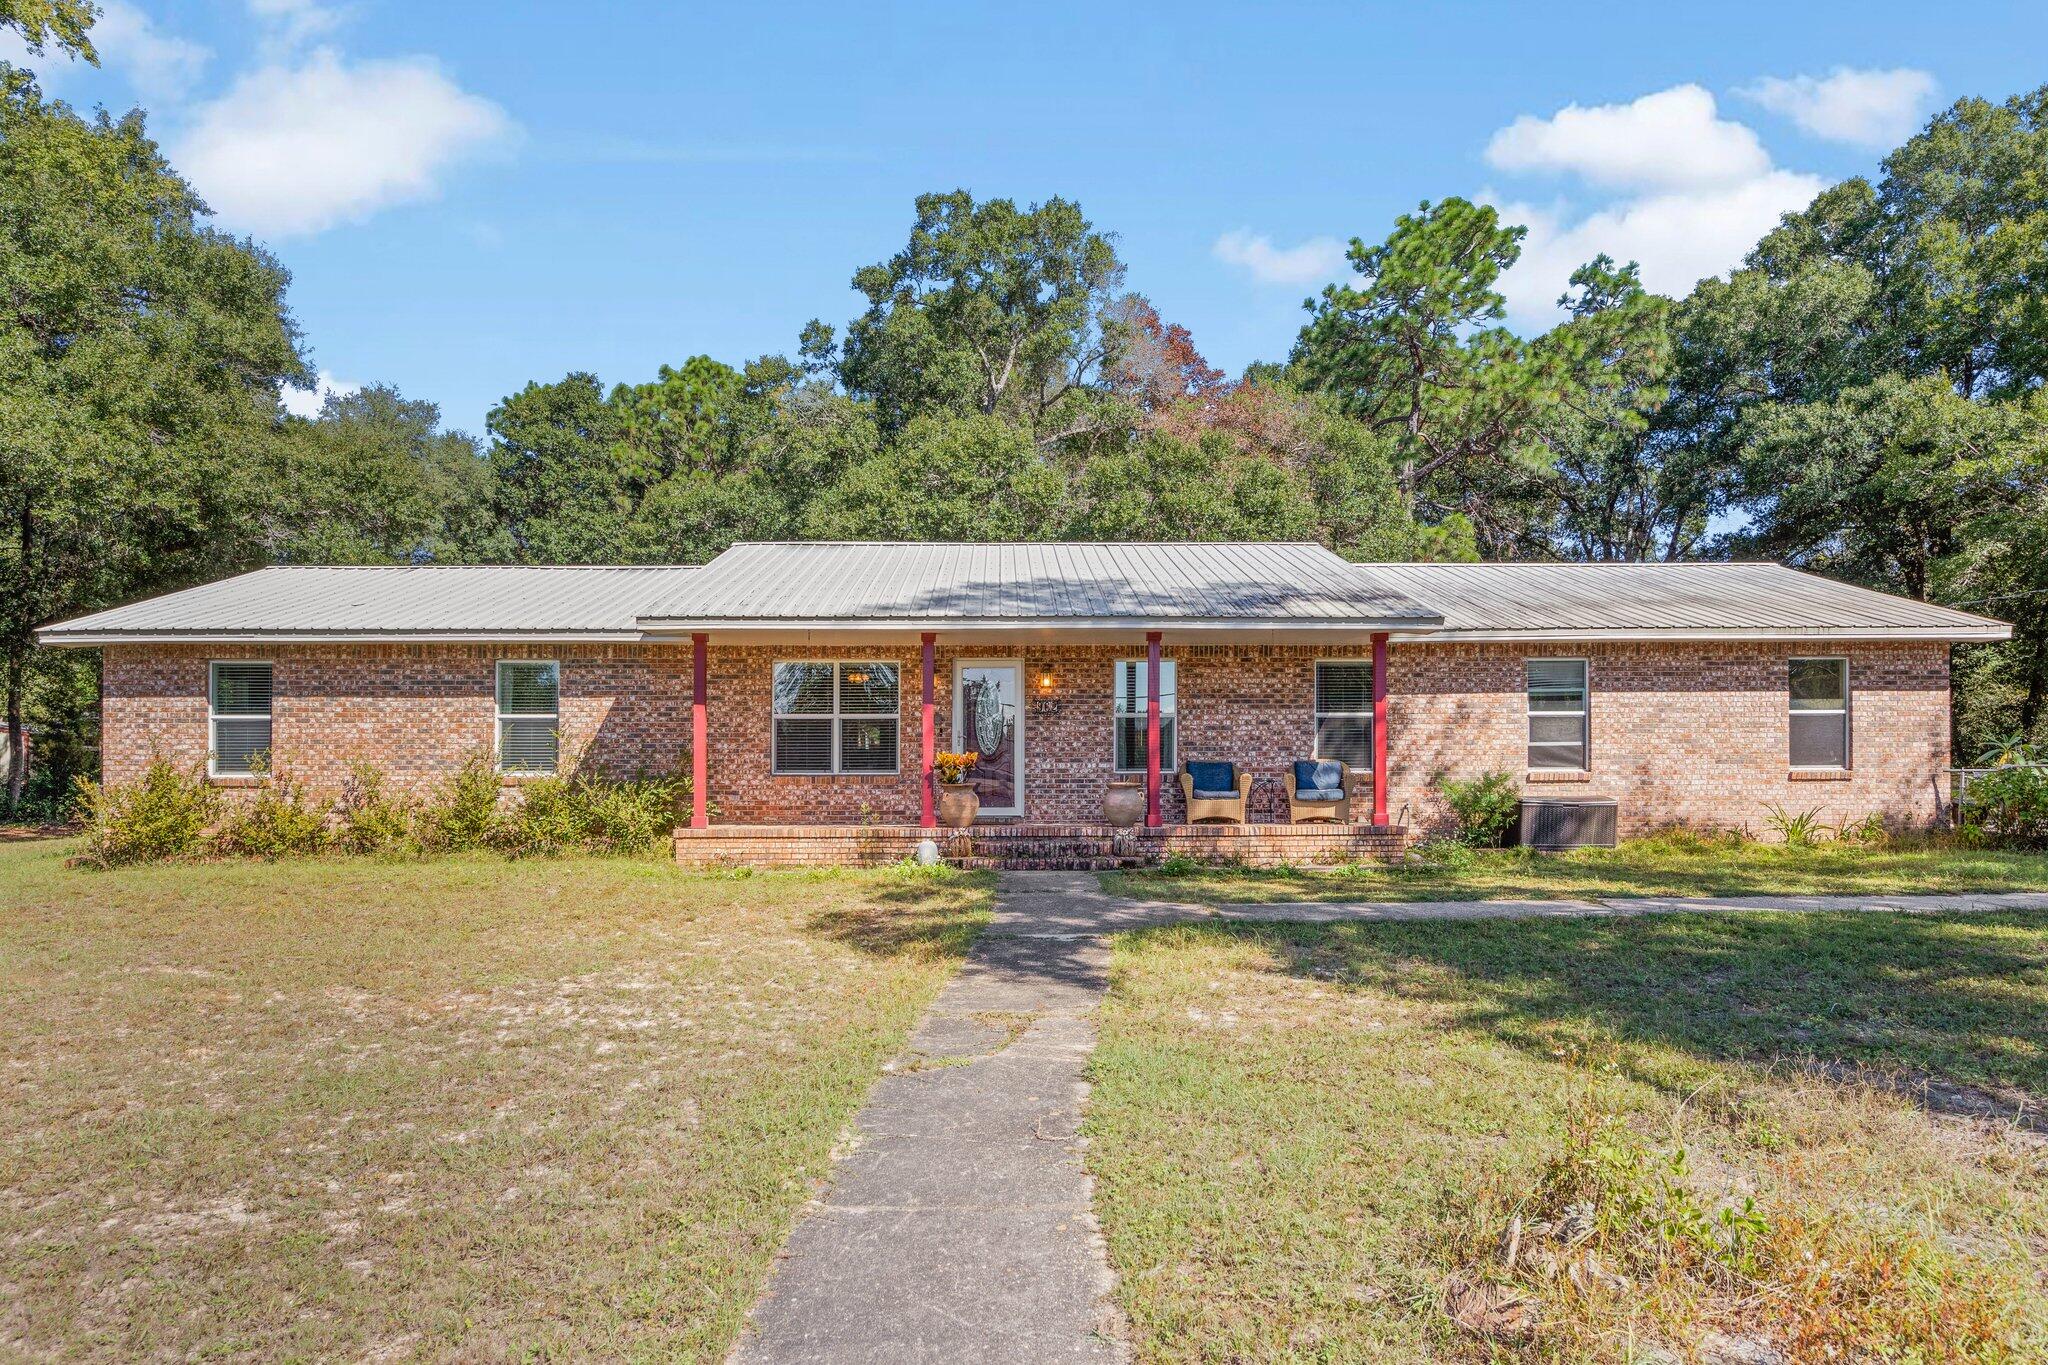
[1133, 913]
[959, 1226]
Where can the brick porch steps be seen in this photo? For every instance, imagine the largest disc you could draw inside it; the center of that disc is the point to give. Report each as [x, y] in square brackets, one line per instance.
[1037, 847]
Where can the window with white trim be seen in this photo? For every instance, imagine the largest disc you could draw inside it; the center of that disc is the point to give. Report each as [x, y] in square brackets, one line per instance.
[529, 715]
[1131, 686]
[1344, 712]
[1558, 713]
[835, 717]
[238, 718]
[1818, 695]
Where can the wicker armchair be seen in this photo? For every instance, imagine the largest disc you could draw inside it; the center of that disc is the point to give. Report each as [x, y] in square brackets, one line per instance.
[1230, 809]
[1300, 811]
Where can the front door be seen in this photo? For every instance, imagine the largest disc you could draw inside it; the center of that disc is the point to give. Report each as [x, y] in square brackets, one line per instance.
[988, 717]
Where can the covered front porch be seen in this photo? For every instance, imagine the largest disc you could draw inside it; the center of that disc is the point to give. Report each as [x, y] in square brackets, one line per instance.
[820, 751]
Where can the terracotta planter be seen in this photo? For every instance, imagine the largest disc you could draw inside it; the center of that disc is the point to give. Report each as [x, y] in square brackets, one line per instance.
[958, 805]
[1123, 805]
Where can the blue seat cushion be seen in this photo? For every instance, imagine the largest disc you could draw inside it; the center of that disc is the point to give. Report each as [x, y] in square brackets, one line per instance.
[1213, 781]
[1319, 779]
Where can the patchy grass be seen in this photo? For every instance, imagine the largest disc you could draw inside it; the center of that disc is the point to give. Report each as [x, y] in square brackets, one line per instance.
[392, 1110]
[1670, 866]
[1539, 1140]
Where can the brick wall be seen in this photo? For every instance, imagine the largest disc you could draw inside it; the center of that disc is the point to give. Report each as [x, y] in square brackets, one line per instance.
[416, 711]
[1681, 732]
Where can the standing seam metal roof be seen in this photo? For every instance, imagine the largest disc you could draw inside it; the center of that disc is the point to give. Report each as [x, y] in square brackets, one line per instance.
[1591, 598]
[1211, 581]
[427, 600]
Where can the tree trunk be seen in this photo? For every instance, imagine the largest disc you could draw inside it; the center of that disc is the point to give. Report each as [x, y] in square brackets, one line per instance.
[20, 634]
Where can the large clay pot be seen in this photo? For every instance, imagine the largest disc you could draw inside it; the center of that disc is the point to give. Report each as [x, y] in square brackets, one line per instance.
[959, 803]
[1123, 805]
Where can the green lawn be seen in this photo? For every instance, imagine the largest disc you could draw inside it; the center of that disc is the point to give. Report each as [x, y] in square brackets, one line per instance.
[469, 1107]
[1316, 1142]
[1643, 867]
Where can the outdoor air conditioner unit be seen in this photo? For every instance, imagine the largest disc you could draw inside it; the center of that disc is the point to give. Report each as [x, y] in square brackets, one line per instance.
[1568, 822]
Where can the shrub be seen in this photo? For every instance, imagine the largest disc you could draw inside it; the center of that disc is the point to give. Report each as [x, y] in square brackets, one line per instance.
[590, 814]
[1485, 807]
[371, 821]
[2007, 807]
[465, 815]
[280, 821]
[1799, 829]
[163, 814]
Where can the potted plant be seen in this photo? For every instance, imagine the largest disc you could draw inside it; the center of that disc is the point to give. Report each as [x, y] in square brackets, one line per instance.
[958, 802]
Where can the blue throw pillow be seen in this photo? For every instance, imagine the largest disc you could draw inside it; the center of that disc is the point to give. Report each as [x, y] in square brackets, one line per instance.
[1319, 779]
[1213, 780]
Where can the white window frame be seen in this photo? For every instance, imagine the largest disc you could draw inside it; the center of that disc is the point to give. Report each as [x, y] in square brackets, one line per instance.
[502, 715]
[836, 716]
[1845, 710]
[1585, 714]
[1169, 705]
[214, 716]
[1316, 712]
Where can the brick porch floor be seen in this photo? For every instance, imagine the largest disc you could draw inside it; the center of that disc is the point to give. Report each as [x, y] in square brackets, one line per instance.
[1034, 846]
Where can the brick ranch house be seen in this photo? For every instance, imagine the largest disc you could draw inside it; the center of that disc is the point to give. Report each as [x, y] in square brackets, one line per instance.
[806, 686]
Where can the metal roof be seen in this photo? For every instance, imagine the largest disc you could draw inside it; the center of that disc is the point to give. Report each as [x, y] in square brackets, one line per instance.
[443, 602]
[1055, 583]
[1651, 601]
[1289, 590]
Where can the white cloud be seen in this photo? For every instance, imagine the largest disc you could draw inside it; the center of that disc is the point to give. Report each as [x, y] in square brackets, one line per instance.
[308, 402]
[1315, 261]
[159, 65]
[297, 148]
[288, 23]
[1677, 239]
[1671, 140]
[1865, 108]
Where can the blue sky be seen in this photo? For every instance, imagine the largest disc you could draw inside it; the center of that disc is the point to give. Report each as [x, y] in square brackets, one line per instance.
[474, 195]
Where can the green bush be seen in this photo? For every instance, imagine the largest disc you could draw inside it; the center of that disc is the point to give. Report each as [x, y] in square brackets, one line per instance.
[2007, 807]
[279, 821]
[163, 814]
[1798, 828]
[465, 815]
[580, 813]
[371, 821]
[1485, 807]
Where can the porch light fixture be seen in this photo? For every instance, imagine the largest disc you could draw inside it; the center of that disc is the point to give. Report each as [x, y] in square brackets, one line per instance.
[1045, 682]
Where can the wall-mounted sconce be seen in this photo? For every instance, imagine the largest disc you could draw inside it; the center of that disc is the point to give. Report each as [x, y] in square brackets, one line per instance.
[1045, 683]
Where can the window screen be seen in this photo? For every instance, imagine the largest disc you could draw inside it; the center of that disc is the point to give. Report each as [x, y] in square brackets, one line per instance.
[529, 719]
[1557, 713]
[239, 716]
[835, 717]
[1130, 687]
[1819, 692]
[1344, 712]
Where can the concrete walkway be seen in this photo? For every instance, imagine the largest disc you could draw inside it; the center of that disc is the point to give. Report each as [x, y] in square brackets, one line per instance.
[958, 1225]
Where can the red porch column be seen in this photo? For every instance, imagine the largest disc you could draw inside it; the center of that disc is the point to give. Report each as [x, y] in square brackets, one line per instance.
[1152, 819]
[1379, 729]
[699, 732]
[926, 817]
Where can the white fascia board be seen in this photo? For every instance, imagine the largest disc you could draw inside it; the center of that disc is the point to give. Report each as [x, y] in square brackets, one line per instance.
[1921, 634]
[956, 625]
[95, 639]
